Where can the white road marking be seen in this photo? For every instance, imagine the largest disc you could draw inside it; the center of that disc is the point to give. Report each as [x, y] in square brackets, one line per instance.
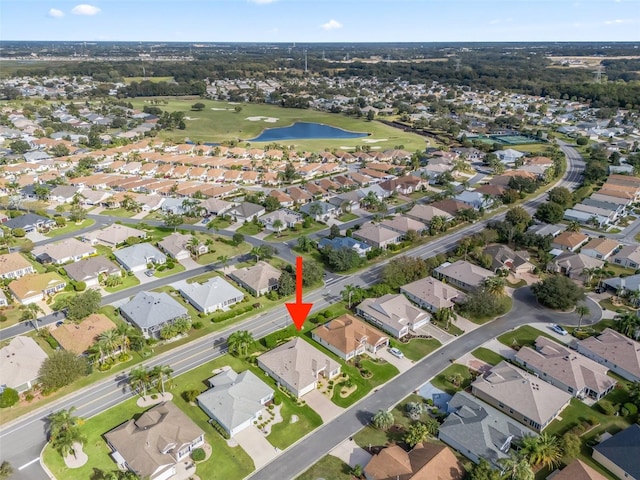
[30, 463]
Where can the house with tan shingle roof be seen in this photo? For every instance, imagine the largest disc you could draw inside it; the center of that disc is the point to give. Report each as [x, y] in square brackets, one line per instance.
[35, 287]
[113, 235]
[20, 363]
[564, 368]
[393, 313]
[14, 265]
[432, 294]
[424, 461]
[462, 274]
[615, 351]
[600, 248]
[67, 250]
[403, 224]
[377, 235]
[257, 279]
[348, 336]
[297, 366]
[577, 470]
[570, 241]
[521, 395]
[78, 337]
[91, 269]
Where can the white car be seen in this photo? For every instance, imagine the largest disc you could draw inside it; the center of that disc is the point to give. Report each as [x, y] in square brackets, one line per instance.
[559, 330]
[396, 353]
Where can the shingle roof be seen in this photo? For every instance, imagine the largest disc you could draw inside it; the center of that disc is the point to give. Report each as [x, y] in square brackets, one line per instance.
[623, 449]
[20, 361]
[425, 461]
[464, 272]
[578, 470]
[347, 333]
[148, 309]
[616, 348]
[78, 337]
[90, 268]
[139, 254]
[393, 310]
[214, 291]
[69, 247]
[259, 276]
[12, 262]
[434, 292]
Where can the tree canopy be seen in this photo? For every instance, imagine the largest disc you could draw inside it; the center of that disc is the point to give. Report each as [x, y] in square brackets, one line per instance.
[558, 292]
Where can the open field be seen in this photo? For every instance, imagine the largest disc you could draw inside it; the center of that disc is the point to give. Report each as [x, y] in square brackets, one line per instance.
[129, 80]
[586, 61]
[218, 122]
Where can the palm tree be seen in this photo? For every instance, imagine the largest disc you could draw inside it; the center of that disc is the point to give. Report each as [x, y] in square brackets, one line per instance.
[256, 252]
[581, 310]
[224, 259]
[30, 314]
[347, 292]
[573, 226]
[110, 339]
[494, 285]
[192, 246]
[383, 419]
[140, 379]
[123, 330]
[589, 272]
[634, 297]
[445, 315]
[628, 324]
[516, 468]
[547, 452]
[64, 431]
[437, 223]
[162, 374]
[277, 225]
[239, 343]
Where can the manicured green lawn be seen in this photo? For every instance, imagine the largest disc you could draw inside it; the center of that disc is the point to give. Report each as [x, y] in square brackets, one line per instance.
[128, 281]
[119, 212]
[71, 227]
[486, 355]
[250, 228]
[221, 249]
[286, 433]
[328, 467]
[381, 372]
[177, 268]
[219, 223]
[441, 380]
[347, 217]
[417, 348]
[13, 314]
[128, 80]
[524, 335]
[225, 124]
[289, 234]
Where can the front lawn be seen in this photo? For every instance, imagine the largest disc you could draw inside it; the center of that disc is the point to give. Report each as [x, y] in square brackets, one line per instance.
[219, 223]
[71, 227]
[522, 336]
[347, 217]
[328, 467]
[380, 372]
[288, 234]
[250, 228]
[443, 379]
[488, 356]
[12, 313]
[128, 281]
[417, 348]
[119, 212]
[177, 268]
[287, 432]
[219, 248]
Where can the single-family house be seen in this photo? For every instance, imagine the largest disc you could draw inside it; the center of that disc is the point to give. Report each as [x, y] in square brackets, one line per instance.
[508, 156]
[425, 213]
[297, 366]
[348, 336]
[463, 274]
[150, 311]
[377, 235]
[67, 250]
[576, 470]
[393, 313]
[14, 265]
[564, 368]
[63, 193]
[136, 257]
[91, 269]
[576, 266]
[628, 256]
[20, 363]
[424, 461]
[620, 453]
[179, 246]
[246, 211]
[113, 235]
[282, 198]
[152, 445]
[404, 185]
[258, 279]
[320, 211]
[78, 337]
[216, 206]
[600, 248]
[403, 224]
[337, 243]
[521, 395]
[473, 199]
[30, 222]
[432, 294]
[451, 206]
[479, 431]
[615, 351]
[545, 229]
[623, 285]
[235, 400]
[288, 219]
[570, 241]
[504, 258]
[214, 294]
[36, 287]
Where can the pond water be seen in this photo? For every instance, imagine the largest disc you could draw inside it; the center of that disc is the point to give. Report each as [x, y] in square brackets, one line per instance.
[304, 130]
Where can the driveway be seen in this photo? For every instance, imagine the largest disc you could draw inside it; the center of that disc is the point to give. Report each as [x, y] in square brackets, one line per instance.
[500, 348]
[402, 364]
[437, 333]
[322, 405]
[256, 445]
[351, 454]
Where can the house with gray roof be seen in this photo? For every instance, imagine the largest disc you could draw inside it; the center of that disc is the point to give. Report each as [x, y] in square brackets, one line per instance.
[477, 430]
[432, 294]
[320, 211]
[544, 229]
[503, 257]
[297, 366]
[246, 211]
[63, 193]
[337, 243]
[573, 265]
[30, 222]
[216, 206]
[214, 294]
[564, 368]
[113, 235]
[150, 311]
[521, 395]
[377, 235]
[628, 256]
[136, 257]
[91, 269]
[288, 219]
[393, 313]
[623, 285]
[177, 245]
[620, 453]
[67, 250]
[235, 400]
[259, 279]
[615, 351]
[462, 274]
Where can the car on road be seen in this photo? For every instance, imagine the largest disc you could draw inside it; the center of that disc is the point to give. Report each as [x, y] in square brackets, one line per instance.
[559, 330]
[59, 323]
[396, 353]
[149, 273]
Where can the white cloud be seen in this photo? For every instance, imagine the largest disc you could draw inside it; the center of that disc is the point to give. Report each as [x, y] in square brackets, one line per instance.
[262, 2]
[55, 13]
[85, 9]
[331, 25]
[618, 21]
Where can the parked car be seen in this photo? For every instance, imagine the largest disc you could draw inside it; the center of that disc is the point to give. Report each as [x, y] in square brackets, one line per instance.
[149, 273]
[559, 330]
[396, 353]
[59, 323]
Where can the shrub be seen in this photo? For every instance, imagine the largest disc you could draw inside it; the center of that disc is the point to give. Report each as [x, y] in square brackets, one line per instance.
[19, 232]
[582, 141]
[277, 400]
[256, 305]
[629, 409]
[80, 286]
[53, 343]
[606, 407]
[197, 325]
[3, 318]
[190, 395]
[8, 397]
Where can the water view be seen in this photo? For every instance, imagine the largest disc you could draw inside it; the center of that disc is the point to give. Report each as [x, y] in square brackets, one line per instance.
[304, 130]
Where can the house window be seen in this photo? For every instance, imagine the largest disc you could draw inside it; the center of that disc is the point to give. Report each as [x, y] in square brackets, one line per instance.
[501, 405]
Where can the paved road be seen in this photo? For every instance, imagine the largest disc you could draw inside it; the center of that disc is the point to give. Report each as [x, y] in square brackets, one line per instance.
[21, 441]
[312, 448]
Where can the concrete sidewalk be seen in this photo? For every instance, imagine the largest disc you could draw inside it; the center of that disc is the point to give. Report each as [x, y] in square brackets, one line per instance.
[351, 454]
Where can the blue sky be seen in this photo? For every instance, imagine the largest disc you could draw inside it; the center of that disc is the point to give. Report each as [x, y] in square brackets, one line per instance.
[321, 20]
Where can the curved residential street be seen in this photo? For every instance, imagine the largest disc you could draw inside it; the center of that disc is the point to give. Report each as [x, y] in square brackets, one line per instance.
[21, 441]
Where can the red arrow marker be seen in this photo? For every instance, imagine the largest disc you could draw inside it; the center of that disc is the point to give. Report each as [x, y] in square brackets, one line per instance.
[299, 310]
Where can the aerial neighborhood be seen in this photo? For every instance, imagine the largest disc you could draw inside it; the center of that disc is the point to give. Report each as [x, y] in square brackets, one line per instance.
[471, 254]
